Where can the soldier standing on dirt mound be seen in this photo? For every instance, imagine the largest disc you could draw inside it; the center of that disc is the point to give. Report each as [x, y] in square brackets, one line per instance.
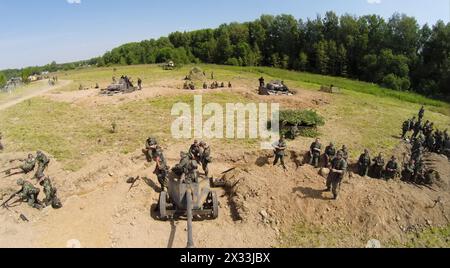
[391, 169]
[280, 148]
[205, 157]
[330, 154]
[42, 161]
[337, 173]
[378, 166]
[364, 163]
[161, 169]
[150, 146]
[315, 152]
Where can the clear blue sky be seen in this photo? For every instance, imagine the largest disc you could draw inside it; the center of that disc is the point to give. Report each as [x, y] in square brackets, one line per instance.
[40, 31]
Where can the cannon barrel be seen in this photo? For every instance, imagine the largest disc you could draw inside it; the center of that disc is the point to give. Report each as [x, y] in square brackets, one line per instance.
[190, 243]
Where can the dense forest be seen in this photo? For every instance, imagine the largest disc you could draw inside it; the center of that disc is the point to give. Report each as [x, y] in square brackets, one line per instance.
[397, 53]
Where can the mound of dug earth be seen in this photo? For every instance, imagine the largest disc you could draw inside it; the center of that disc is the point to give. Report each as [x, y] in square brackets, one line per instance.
[367, 208]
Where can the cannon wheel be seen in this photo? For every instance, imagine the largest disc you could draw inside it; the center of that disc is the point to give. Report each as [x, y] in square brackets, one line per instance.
[163, 206]
[215, 205]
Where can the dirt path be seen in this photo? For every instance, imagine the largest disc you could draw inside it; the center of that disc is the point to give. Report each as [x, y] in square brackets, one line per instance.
[44, 88]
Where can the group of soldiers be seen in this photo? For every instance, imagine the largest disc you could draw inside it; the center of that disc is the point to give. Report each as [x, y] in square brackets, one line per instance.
[199, 154]
[432, 140]
[214, 85]
[424, 138]
[29, 192]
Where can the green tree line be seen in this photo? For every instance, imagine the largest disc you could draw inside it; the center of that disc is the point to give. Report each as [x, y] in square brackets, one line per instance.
[397, 53]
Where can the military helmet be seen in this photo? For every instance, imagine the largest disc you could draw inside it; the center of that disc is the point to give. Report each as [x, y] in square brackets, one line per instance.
[20, 182]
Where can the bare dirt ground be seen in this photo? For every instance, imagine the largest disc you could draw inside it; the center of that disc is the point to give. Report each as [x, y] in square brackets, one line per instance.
[258, 205]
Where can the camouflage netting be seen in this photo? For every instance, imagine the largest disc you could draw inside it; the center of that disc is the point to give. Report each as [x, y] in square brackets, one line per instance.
[196, 73]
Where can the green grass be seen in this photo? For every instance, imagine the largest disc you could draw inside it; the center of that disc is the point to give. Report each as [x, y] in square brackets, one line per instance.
[306, 236]
[436, 237]
[20, 91]
[316, 81]
[359, 117]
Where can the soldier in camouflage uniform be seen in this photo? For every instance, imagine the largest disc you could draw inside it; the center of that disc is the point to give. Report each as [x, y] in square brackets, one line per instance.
[378, 166]
[417, 151]
[161, 169]
[406, 127]
[29, 194]
[195, 151]
[182, 167]
[42, 161]
[150, 146]
[344, 152]
[413, 123]
[421, 113]
[408, 170]
[447, 147]
[330, 154]
[280, 148]
[419, 172]
[27, 166]
[439, 140]
[417, 128]
[50, 194]
[364, 163]
[430, 142]
[192, 171]
[315, 152]
[338, 170]
[205, 157]
[391, 169]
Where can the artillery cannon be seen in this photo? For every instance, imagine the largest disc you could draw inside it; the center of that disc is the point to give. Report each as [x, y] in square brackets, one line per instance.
[188, 199]
[275, 88]
[168, 66]
[123, 86]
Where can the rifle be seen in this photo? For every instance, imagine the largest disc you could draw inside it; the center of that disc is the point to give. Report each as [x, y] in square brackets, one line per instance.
[4, 204]
[132, 181]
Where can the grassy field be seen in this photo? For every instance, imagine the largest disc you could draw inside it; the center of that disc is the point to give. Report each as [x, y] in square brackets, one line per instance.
[363, 116]
[16, 93]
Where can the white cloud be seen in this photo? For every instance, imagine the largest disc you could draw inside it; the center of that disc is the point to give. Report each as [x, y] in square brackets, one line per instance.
[374, 2]
[74, 2]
